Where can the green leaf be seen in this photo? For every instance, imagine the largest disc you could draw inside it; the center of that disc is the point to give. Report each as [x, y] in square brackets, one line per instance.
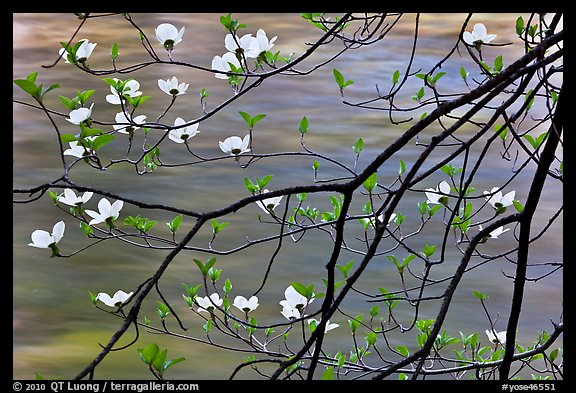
[395, 77]
[339, 78]
[374, 311]
[300, 288]
[149, 353]
[87, 229]
[251, 187]
[371, 339]
[346, 268]
[32, 77]
[501, 131]
[371, 182]
[498, 63]
[403, 350]
[316, 166]
[172, 362]
[65, 138]
[553, 355]
[301, 197]
[463, 73]
[328, 374]
[354, 323]
[247, 118]
[203, 268]
[402, 167]
[481, 296]
[227, 286]
[114, 51]
[428, 250]
[101, 141]
[207, 326]
[519, 25]
[303, 126]
[358, 146]
[519, 207]
[175, 223]
[28, 86]
[68, 102]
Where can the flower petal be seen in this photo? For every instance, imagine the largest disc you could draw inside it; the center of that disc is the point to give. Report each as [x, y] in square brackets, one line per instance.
[41, 239]
[58, 231]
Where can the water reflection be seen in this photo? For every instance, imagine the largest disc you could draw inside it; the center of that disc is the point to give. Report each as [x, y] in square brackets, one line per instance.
[56, 331]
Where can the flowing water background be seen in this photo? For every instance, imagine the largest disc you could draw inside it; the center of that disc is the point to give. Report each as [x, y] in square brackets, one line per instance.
[56, 329]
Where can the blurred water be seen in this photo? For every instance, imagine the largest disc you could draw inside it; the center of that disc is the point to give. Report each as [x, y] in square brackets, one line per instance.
[57, 331]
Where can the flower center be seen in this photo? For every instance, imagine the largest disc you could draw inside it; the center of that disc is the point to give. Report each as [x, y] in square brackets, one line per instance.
[184, 136]
[174, 92]
[270, 206]
[236, 151]
[169, 44]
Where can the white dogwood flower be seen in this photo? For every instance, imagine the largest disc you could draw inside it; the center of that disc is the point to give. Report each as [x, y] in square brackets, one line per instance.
[294, 300]
[246, 305]
[43, 239]
[80, 115]
[181, 135]
[478, 36]
[119, 298]
[290, 313]
[207, 303]
[171, 86]
[82, 54]
[70, 198]
[500, 337]
[269, 204]
[498, 200]
[77, 150]
[107, 211]
[329, 326]
[122, 120]
[168, 35]
[434, 195]
[262, 42]
[247, 45]
[234, 145]
[131, 89]
[496, 232]
[222, 64]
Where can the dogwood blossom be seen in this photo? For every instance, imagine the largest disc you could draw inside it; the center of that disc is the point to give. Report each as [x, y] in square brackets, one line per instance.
[117, 300]
[82, 54]
[294, 300]
[80, 115]
[329, 326]
[131, 89]
[434, 195]
[207, 303]
[69, 197]
[107, 211]
[498, 200]
[478, 36]
[270, 203]
[171, 86]
[500, 337]
[246, 305]
[247, 45]
[380, 219]
[262, 42]
[77, 150]
[496, 232]
[122, 120]
[290, 313]
[234, 145]
[181, 135]
[43, 239]
[222, 64]
[168, 35]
